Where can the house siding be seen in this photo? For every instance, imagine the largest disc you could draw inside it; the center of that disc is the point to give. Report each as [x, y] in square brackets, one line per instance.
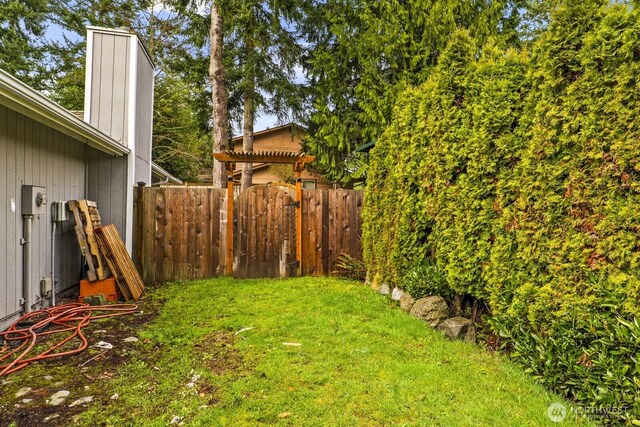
[106, 178]
[144, 117]
[110, 85]
[34, 154]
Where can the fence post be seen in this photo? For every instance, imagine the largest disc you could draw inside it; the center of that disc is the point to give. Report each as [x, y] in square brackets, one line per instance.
[299, 167]
[230, 168]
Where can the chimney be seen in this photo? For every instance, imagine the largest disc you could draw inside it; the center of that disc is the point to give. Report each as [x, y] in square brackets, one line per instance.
[119, 101]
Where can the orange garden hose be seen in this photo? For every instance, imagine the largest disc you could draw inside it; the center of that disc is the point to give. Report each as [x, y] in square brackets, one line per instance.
[67, 319]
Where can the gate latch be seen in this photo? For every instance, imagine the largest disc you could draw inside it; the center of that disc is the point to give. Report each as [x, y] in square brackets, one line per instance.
[296, 204]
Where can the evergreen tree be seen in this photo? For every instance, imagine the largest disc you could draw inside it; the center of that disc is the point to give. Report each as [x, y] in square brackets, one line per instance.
[264, 49]
[364, 53]
[22, 25]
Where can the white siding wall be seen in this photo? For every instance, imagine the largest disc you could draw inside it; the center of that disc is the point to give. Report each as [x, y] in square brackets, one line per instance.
[109, 80]
[31, 153]
[144, 117]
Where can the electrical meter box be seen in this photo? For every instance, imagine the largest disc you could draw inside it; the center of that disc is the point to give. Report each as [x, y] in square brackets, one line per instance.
[34, 200]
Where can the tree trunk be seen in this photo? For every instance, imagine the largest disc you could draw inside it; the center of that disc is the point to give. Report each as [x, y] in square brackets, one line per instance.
[249, 106]
[247, 139]
[218, 77]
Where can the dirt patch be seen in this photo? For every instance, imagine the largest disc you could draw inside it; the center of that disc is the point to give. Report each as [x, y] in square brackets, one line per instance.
[82, 375]
[219, 353]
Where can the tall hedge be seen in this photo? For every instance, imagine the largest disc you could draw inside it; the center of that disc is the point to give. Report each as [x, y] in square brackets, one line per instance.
[517, 174]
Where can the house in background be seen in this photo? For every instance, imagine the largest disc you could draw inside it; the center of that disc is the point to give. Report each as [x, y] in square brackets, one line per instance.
[48, 155]
[287, 138]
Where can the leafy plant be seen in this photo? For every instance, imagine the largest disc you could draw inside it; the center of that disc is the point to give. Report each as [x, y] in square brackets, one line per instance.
[589, 355]
[349, 267]
[426, 280]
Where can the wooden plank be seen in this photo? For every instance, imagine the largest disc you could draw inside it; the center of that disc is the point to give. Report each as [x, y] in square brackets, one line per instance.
[252, 237]
[148, 245]
[197, 248]
[176, 233]
[82, 241]
[299, 222]
[190, 224]
[90, 220]
[124, 271]
[182, 235]
[324, 232]
[167, 247]
[214, 231]
[306, 229]
[229, 261]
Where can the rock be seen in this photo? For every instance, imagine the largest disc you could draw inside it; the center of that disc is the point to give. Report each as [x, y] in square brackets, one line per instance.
[81, 401]
[58, 397]
[384, 289]
[27, 400]
[115, 396]
[48, 377]
[104, 345]
[396, 294]
[23, 391]
[407, 302]
[175, 420]
[458, 328]
[130, 339]
[432, 310]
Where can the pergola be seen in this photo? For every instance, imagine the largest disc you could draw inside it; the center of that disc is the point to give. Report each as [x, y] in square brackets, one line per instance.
[299, 162]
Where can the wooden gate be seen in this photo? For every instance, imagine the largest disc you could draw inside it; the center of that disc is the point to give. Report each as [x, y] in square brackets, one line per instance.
[265, 232]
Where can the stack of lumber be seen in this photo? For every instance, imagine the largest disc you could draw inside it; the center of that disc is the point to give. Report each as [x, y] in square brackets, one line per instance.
[87, 217]
[103, 250]
[125, 273]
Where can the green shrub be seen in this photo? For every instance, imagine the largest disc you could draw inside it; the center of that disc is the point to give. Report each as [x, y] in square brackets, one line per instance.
[592, 355]
[426, 280]
[517, 173]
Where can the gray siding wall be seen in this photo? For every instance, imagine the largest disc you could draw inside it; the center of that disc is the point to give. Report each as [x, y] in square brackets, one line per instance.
[110, 85]
[144, 117]
[106, 184]
[32, 153]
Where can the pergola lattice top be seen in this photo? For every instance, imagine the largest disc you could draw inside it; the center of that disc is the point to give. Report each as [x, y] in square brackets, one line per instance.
[286, 157]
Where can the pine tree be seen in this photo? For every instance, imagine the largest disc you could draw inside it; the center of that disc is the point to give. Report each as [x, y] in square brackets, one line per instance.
[22, 25]
[263, 47]
[364, 53]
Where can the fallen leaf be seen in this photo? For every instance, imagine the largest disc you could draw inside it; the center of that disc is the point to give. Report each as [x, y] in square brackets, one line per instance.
[284, 415]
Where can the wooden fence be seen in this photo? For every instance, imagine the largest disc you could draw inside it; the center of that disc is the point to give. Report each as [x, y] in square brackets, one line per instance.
[180, 232]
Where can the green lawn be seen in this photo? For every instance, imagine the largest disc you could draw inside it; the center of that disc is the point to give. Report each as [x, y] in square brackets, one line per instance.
[362, 361]
[215, 356]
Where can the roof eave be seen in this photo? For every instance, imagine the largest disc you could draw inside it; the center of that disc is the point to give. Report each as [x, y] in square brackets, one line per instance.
[163, 173]
[19, 97]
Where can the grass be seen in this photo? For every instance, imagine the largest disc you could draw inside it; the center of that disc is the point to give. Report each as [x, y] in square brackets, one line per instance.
[215, 356]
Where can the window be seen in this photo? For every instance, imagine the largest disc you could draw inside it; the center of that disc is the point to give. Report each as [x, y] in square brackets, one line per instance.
[309, 184]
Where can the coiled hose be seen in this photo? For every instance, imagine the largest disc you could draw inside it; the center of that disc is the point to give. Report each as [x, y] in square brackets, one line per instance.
[67, 320]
